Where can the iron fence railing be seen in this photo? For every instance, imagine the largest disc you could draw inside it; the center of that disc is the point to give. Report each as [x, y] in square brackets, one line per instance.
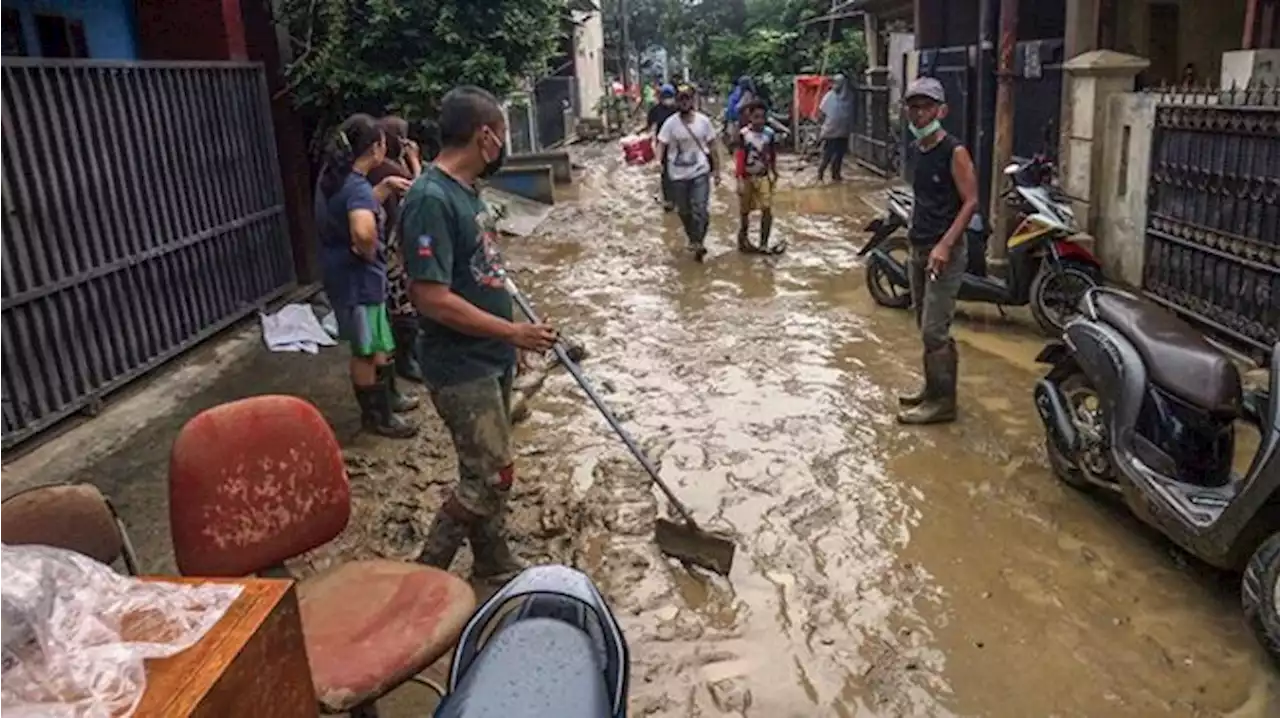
[1213, 212]
[874, 143]
[143, 212]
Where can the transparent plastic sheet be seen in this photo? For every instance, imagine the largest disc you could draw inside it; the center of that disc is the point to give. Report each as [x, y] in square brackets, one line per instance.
[76, 633]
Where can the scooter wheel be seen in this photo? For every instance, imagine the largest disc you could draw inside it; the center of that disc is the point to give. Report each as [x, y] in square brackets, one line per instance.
[1049, 289]
[1260, 595]
[883, 290]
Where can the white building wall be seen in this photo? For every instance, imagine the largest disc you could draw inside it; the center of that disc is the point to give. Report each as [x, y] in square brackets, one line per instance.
[588, 61]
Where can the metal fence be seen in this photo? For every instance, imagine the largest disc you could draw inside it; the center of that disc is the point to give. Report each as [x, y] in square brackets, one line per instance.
[556, 103]
[1213, 212]
[874, 143]
[143, 212]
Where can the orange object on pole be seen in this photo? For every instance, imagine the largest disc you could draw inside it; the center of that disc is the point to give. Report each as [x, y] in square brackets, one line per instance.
[809, 90]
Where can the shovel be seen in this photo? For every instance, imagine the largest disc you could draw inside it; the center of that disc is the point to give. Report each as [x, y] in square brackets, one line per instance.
[684, 541]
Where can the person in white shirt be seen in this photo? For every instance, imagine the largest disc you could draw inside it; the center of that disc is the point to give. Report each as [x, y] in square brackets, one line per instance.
[835, 112]
[687, 149]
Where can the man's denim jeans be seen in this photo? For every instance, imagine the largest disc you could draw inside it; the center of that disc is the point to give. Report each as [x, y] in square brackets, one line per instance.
[690, 198]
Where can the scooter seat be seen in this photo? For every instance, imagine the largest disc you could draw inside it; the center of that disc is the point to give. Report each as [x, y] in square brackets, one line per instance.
[1178, 358]
[532, 668]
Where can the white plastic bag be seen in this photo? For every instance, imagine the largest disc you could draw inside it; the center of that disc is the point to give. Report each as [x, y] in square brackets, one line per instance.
[76, 633]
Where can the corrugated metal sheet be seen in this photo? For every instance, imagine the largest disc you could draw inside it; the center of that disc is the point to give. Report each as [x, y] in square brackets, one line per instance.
[143, 212]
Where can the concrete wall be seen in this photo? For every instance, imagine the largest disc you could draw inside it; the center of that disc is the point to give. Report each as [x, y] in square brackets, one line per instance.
[108, 24]
[1122, 201]
[588, 61]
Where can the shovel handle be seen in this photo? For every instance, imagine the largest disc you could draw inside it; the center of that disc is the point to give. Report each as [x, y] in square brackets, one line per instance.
[622, 433]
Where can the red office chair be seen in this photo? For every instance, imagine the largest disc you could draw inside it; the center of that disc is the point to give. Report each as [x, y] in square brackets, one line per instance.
[261, 480]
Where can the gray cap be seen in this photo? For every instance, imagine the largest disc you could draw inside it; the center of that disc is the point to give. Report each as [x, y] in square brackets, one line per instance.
[926, 87]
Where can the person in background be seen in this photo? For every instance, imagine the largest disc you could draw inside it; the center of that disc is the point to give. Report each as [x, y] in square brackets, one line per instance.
[350, 224]
[686, 148]
[649, 94]
[404, 159]
[470, 339]
[756, 169]
[946, 196]
[658, 114]
[743, 93]
[834, 113]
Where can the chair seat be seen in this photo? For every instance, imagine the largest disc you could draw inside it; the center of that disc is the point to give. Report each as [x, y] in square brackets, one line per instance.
[371, 625]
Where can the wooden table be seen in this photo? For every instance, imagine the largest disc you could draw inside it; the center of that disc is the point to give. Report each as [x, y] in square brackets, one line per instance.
[251, 663]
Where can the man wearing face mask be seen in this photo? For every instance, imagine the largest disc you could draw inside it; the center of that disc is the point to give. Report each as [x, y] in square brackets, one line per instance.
[687, 149]
[946, 197]
[469, 337]
[658, 115]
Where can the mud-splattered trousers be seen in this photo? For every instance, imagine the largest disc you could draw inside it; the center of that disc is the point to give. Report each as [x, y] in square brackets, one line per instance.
[934, 300]
[691, 197]
[478, 416]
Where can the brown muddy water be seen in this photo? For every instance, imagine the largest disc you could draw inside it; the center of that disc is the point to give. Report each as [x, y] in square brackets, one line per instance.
[881, 571]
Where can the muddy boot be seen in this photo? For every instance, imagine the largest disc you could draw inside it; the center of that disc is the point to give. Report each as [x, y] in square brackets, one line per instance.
[906, 401]
[766, 227]
[376, 415]
[400, 403]
[743, 244]
[406, 334]
[445, 537]
[493, 558]
[940, 374]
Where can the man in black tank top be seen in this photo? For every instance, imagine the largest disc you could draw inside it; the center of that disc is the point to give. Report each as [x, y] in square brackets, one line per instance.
[946, 197]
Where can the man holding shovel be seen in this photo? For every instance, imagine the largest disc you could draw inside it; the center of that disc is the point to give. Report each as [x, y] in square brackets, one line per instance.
[467, 351]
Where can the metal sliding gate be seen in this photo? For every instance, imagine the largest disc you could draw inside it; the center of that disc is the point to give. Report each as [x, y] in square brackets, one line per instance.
[1213, 212]
[874, 144]
[143, 212]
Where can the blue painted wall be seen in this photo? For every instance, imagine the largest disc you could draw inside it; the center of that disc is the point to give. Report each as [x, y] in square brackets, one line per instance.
[109, 26]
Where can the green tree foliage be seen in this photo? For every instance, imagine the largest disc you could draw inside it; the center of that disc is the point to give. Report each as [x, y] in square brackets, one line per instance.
[382, 56]
[729, 38]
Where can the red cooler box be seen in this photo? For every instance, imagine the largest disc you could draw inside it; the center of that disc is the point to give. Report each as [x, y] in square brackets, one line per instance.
[637, 149]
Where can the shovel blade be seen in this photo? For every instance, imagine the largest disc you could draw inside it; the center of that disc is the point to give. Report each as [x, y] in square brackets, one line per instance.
[694, 545]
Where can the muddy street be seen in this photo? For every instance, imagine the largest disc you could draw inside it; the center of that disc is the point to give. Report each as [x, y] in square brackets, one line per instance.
[881, 571]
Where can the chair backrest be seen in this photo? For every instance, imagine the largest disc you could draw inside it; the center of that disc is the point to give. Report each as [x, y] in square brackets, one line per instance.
[76, 517]
[252, 483]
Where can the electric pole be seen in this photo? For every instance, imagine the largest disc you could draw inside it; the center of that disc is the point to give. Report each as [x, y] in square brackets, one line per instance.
[626, 46]
[1002, 150]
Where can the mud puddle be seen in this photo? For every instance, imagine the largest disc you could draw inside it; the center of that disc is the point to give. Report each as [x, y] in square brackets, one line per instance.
[881, 572]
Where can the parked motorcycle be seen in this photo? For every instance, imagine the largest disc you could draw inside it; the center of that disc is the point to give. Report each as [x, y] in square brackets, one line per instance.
[1046, 270]
[545, 645]
[1137, 403]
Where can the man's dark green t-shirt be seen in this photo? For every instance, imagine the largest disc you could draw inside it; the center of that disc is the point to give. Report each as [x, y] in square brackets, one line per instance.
[448, 237]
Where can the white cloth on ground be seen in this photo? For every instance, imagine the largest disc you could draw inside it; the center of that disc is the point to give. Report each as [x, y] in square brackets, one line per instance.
[295, 329]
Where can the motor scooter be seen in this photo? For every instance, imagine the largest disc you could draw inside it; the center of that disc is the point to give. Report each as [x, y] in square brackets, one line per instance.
[1046, 269]
[545, 645]
[1139, 404]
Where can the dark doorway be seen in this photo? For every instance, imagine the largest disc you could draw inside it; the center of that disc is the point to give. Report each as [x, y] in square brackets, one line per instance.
[1162, 21]
[60, 37]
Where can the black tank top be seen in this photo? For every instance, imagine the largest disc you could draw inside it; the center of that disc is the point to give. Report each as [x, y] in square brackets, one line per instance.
[937, 199]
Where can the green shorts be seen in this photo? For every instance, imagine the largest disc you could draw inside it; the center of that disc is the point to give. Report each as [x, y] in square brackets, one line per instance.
[367, 328]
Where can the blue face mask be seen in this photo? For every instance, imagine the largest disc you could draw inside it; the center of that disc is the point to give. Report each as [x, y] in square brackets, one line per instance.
[922, 132]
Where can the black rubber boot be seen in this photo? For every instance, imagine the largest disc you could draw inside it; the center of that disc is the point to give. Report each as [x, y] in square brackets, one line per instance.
[376, 415]
[493, 558]
[406, 330]
[743, 244]
[766, 228]
[940, 371]
[906, 401]
[447, 532]
[399, 403]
